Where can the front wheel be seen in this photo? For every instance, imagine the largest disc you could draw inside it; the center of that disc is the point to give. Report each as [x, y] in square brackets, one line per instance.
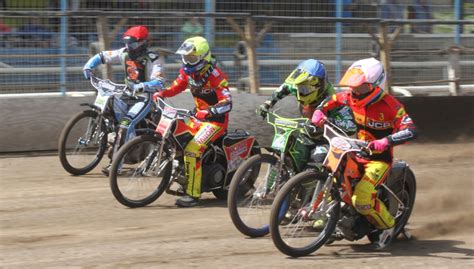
[304, 214]
[252, 191]
[139, 174]
[82, 142]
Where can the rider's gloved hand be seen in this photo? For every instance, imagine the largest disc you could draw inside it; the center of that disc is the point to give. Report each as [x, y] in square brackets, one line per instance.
[158, 95]
[262, 110]
[318, 118]
[140, 87]
[135, 87]
[379, 144]
[201, 114]
[87, 73]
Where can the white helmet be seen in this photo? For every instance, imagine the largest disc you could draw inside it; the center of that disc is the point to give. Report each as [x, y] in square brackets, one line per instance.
[368, 70]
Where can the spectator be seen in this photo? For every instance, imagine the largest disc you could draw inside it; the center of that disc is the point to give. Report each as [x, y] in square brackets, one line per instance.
[359, 9]
[348, 8]
[4, 28]
[392, 10]
[34, 33]
[420, 10]
[192, 28]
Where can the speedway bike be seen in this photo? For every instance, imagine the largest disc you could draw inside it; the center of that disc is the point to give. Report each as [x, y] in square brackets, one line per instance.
[257, 181]
[87, 135]
[162, 168]
[315, 207]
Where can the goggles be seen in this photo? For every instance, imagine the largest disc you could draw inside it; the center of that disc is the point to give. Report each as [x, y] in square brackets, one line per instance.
[306, 89]
[191, 59]
[133, 45]
[362, 89]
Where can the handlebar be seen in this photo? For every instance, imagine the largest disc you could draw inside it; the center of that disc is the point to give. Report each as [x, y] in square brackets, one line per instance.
[107, 85]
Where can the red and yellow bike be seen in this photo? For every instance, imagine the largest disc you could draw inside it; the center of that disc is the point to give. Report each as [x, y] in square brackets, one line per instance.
[159, 166]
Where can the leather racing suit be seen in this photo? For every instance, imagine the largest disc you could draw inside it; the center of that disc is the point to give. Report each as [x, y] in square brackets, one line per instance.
[210, 92]
[147, 70]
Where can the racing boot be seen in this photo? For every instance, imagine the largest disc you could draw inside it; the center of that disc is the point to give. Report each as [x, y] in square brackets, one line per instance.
[385, 237]
[106, 169]
[187, 201]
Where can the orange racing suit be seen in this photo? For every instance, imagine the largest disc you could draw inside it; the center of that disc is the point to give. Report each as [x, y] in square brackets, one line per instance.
[383, 117]
[210, 91]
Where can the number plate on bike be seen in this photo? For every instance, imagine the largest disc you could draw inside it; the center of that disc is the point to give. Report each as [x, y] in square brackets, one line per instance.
[169, 112]
[101, 101]
[340, 143]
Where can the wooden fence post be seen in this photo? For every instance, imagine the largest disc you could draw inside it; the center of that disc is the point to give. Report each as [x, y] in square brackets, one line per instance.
[386, 46]
[454, 70]
[250, 38]
[385, 41]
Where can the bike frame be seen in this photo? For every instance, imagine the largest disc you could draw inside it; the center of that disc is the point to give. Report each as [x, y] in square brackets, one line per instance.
[341, 146]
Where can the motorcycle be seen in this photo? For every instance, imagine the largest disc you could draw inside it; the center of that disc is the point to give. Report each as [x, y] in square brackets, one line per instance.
[257, 181]
[162, 168]
[87, 135]
[315, 207]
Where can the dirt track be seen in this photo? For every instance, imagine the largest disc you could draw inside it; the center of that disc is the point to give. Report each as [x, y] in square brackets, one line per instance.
[51, 219]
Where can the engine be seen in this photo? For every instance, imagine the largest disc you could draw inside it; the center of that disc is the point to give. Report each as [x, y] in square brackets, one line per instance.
[352, 226]
[213, 176]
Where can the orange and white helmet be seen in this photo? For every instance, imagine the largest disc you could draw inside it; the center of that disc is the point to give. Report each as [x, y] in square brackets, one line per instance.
[366, 78]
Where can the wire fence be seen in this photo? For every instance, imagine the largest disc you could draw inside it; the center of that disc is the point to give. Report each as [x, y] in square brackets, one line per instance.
[43, 48]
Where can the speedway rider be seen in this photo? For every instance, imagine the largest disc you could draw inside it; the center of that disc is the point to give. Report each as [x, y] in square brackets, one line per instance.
[144, 73]
[309, 83]
[212, 99]
[383, 122]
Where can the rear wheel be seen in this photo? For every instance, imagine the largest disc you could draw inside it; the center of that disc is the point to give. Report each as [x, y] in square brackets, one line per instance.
[404, 187]
[139, 175]
[304, 214]
[82, 142]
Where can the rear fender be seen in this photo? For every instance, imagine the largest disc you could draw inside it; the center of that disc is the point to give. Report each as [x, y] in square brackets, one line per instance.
[399, 170]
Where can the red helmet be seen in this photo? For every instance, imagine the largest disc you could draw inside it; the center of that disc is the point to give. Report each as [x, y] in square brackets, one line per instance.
[138, 32]
[136, 41]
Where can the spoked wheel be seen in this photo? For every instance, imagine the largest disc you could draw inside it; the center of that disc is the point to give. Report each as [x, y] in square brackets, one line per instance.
[304, 214]
[139, 175]
[251, 194]
[82, 142]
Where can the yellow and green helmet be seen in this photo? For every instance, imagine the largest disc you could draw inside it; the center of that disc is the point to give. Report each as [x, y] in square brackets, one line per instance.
[195, 54]
[308, 79]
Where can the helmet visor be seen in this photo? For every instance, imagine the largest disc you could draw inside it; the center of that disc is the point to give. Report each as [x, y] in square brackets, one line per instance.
[353, 77]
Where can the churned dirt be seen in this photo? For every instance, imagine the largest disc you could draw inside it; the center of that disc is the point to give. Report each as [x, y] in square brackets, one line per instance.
[51, 219]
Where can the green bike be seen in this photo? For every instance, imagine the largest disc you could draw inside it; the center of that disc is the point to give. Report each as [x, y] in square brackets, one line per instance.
[258, 179]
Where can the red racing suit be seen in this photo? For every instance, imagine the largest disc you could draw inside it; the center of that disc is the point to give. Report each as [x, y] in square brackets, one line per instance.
[210, 92]
[383, 117]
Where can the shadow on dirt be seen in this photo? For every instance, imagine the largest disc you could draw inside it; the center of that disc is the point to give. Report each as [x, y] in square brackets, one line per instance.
[203, 203]
[401, 248]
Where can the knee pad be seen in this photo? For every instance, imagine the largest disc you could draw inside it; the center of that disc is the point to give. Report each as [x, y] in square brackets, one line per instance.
[363, 197]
